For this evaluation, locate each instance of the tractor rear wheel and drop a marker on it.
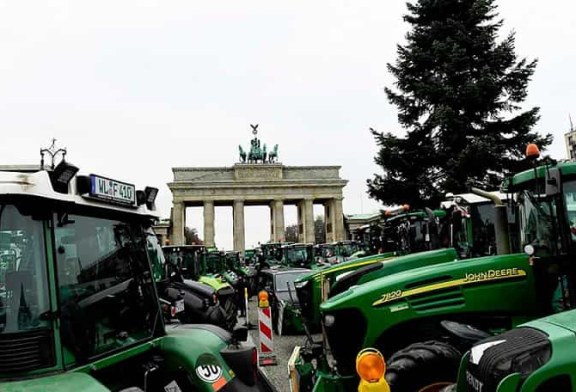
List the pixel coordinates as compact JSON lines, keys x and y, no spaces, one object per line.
{"x":424,"y":367}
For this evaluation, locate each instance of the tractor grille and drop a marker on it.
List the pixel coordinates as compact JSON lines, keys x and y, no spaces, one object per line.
{"x":438,"y":299}
{"x":346,"y":337}
{"x":23,"y":352}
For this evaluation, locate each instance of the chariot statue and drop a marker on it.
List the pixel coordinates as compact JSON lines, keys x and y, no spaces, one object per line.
{"x":257,"y":153}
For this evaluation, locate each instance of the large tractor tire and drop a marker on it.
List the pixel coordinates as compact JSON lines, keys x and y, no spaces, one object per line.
{"x":423,"y":367}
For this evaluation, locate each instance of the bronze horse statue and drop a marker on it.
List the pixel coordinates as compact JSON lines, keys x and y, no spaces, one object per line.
{"x":273,"y":155}
{"x":256,"y":153}
{"x":242,"y":154}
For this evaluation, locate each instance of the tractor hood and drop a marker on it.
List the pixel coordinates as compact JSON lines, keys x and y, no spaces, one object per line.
{"x":397,"y":287}
{"x":345,"y":266}
{"x":392,"y":266}
{"x":565,"y":320}
{"x":403,"y":301}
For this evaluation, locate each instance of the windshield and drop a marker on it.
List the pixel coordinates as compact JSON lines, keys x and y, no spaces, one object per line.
{"x":538,"y":217}
{"x":411,"y":236}
{"x":348,"y":250}
{"x":215,"y":263}
{"x":187,"y":260}
{"x":296,"y":255}
{"x":23,"y":282}
{"x":107,"y":297}
{"x":282,"y":280}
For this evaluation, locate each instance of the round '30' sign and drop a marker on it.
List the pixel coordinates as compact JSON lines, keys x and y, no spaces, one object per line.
{"x":209,"y":373}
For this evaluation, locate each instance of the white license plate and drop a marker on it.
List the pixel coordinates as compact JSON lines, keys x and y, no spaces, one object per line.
{"x":179,"y":306}
{"x":107,"y":189}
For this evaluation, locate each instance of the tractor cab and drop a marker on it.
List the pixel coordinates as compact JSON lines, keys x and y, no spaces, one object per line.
{"x":186,"y":258}
{"x":408,"y":232}
{"x":79,"y":308}
{"x":271,"y":253}
{"x":298,"y":255}
{"x":470,"y":223}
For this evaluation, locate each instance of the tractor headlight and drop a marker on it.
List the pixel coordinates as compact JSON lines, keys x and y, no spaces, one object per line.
{"x":529,"y":249}
{"x":329,"y":320}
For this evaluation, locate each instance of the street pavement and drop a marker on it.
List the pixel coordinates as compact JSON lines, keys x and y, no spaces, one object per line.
{"x":282,"y":348}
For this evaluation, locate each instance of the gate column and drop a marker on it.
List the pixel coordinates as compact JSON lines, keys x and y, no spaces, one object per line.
{"x":238,"y":226}
{"x":329,"y":220}
{"x":209,"y":222}
{"x":338,"y":219}
{"x":334,"y":220}
{"x":277,"y":221}
{"x":178,"y":222}
{"x":306,"y":221}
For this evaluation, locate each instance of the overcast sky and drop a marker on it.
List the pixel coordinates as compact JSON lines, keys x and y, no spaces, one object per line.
{"x":134,"y":88}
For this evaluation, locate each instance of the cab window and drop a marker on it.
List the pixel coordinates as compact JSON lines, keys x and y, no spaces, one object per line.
{"x":105,"y":290}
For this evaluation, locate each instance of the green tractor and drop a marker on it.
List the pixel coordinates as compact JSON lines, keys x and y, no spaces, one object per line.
{"x":250,"y":256}
{"x":338,"y":252}
{"x":313,"y":288}
{"x":79,"y":309}
{"x":453,"y":225}
{"x":414,"y":230}
{"x":271,"y":254}
{"x":369,"y":236}
{"x":198,"y":266}
{"x":537,"y":355}
{"x":235,"y":265}
{"x":423,"y":319}
{"x":298,"y":256}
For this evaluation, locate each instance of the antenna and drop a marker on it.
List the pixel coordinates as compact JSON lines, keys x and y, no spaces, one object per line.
{"x":571,"y":126}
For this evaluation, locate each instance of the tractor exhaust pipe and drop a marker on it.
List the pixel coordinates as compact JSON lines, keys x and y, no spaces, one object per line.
{"x":501,"y":221}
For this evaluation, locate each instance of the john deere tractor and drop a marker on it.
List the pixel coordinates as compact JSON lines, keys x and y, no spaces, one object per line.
{"x":78,"y":304}
{"x":423,"y":319}
{"x":537,"y":356}
{"x":404,"y":232}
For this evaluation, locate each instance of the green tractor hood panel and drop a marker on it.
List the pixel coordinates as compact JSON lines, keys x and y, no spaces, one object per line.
{"x":484,"y":287}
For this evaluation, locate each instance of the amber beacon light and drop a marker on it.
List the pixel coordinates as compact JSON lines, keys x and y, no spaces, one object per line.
{"x":370,"y":366}
{"x":532,"y":151}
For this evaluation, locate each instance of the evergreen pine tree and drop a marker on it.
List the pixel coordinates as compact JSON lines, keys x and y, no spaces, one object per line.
{"x":459,"y":90}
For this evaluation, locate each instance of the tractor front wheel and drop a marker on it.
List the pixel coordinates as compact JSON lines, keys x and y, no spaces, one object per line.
{"x":423,"y":367}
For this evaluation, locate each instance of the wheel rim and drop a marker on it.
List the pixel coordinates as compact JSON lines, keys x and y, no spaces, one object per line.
{"x":436,"y":387}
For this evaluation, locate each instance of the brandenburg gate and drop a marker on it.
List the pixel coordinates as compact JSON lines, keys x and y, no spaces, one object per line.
{"x":258,"y":179}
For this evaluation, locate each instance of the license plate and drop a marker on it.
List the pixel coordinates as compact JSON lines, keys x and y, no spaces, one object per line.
{"x":112,"y":190}
{"x":179,"y":306}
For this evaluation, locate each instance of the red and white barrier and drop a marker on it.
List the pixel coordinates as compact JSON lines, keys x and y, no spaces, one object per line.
{"x":266,"y":352}
{"x":265,"y":328}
